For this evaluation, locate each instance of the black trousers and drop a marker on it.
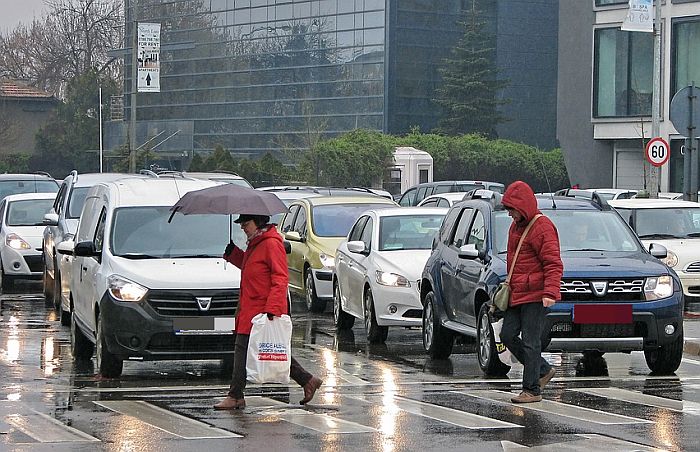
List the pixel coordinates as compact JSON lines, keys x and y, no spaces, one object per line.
{"x":526,"y":319}
{"x":240,"y":356}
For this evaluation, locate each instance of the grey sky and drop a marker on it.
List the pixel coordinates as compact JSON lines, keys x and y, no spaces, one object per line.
{"x":16,"y":11}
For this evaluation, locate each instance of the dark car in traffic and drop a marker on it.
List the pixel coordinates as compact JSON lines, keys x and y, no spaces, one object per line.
{"x":616,"y":296}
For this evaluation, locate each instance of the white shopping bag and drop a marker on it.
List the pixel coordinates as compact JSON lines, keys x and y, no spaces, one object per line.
{"x":504,"y":354}
{"x":269,"y":349}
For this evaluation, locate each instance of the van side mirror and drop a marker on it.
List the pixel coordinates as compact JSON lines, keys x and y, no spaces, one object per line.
{"x":85,"y":249}
{"x":50,"y":219}
{"x":658,"y":251}
{"x":293,"y":236}
{"x":468,"y":252}
{"x":66,"y":247}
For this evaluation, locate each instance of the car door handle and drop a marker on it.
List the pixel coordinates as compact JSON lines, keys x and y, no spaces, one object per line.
{"x":84,"y":269}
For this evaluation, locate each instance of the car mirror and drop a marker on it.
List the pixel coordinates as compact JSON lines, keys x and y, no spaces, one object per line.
{"x":468,"y":252}
{"x":287,"y":246}
{"x":357,"y":247}
{"x":85,"y":249}
{"x":66,"y":247}
{"x":51,"y":219}
{"x":658,"y":251}
{"x":293,"y":236}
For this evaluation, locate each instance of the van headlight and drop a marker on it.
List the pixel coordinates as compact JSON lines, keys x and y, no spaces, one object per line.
{"x":658,"y":287}
{"x":16,"y":242}
{"x":327,"y":261}
{"x":392,"y":279}
{"x":123,"y":289}
{"x":671,"y":259}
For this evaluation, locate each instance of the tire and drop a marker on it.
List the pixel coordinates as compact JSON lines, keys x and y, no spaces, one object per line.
{"x":48,"y":285}
{"x":56,"y":287}
{"x":108,"y":364}
{"x":80,"y":346}
{"x":486,"y":352}
{"x":375,"y":334}
{"x":666,"y":359}
{"x":343,"y":320}
{"x":65,"y":317}
{"x":437,"y":340}
{"x":313,"y":304}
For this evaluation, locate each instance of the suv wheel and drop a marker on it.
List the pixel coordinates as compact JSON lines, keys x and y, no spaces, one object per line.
{"x":108,"y":365}
{"x":437,"y":340}
{"x":665,"y":359}
{"x":65,"y":317}
{"x":313,"y":303}
{"x":486,"y":346}
{"x":80,"y":346}
{"x":375,"y":334}
{"x":48,"y":284}
{"x":56,"y":286}
{"x":343,"y":320}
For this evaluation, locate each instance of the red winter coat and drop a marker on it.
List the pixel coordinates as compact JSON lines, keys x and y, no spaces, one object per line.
{"x":264,"y":278}
{"x":539,"y":269}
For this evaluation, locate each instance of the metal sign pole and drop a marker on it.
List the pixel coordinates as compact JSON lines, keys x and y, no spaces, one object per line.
{"x":134,"y":88}
{"x":656,"y":97}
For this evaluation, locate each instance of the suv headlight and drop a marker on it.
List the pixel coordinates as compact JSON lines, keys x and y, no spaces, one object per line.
{"x":16,"y":242}
{"x":326,"y":260}
{"x":671,"y":259}
{"x":392,"y":279}
{"x":123,"y":289}
{"x":658,"y":287}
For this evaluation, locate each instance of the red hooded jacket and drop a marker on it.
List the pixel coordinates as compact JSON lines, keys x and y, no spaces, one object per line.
{"x":264,"y":278}
{"x":539,"y":268}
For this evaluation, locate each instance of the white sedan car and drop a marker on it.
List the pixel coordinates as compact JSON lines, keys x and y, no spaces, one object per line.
{"x":378,"y":266}
{"x":21,"y":232}
{"x":443,"y":199}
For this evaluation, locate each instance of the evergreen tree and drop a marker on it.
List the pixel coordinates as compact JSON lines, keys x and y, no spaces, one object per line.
{"x":470,"y":85}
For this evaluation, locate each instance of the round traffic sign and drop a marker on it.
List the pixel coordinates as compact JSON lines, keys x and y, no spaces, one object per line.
{"x":657,"y":151}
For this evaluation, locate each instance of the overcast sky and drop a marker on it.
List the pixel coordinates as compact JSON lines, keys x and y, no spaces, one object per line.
{"x":16,"y":11}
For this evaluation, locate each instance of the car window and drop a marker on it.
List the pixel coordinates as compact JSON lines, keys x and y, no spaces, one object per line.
{"x":626,"y":195}
{"x":2,"y":211}
{"x":60,"y":197}
{"x":100,"y":231}
{"x":500,"y":226}
{"x":356,"y":232}
{"x":460,"y":234}
{"x":408,"y":197}
{"x":29,"y":212}
{"x":477,"y":231}
{"x":467,"y":187}
{"x":300,"y":222}
{"x":447,"y":224}
{"x":335,"y":220}
{"x":367,"y":234}
{"x":430,"y":203}
{"x":408,"y":232}
{"x":76,"y":202}
{"x":13,"y":187}
{"x":667,"y":222}
{"x":442,"y":188}
{"x":442,"y":202}
{"x":421,"y":195}
{"x":289,"y":219}
{"x":626,"y":215}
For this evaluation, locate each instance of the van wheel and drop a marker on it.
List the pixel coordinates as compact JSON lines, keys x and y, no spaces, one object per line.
{"x":666,"y":359}
{"x":313,"y":303}
{"x":56,"y":286}
{"x":375,"y":334}
{"x":437,"y":340}
{"x":108,"y":365}
{"x":65,"y":317}
{"x":6,"y":283}
{"x":48,"y":284}
{"x":80,"y":346}
{"x":343,"y":320}
{"x":486,"y":351}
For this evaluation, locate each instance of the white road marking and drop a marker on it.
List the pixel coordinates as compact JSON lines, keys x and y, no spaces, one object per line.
{"x":165,"y":420}
{"x":587,"y":442}
{"x":324,"y":423}
{"x":557,"y":408}
{"x":682,"y":406}
{"x":46,"y":429}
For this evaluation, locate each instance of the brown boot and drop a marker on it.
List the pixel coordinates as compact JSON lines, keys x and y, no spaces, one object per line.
{"x":229,"y":403}
{"x":310,"y":389}
{"x":544,"y":379}
{"x":526,"y":397}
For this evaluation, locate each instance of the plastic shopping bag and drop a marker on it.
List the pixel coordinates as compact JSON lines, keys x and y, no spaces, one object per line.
{"x":504,"y":354}
{"x":269,"y":349}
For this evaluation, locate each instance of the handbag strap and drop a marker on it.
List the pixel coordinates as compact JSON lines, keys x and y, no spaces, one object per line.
{"x":520,"y":243}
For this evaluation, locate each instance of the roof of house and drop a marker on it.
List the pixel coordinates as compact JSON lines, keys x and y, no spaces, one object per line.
{"x":15,"y":89}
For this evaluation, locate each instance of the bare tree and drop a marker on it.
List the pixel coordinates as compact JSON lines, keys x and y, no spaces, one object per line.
{"x":72,"y":38}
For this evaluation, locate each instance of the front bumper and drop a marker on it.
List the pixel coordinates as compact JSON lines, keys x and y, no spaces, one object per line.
{"x":22,"y":263}
{"x":405,"y":301}
{"x":647,"y":330}
{"x":137,"y":331}
{"x":691,"y":285}
{"x":323,"y":281}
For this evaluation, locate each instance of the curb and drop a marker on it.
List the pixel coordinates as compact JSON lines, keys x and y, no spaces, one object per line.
{"x":691,"y":348}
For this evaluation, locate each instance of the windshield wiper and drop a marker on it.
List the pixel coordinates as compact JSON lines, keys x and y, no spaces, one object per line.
{"x":693,"y":234}
{"x":192,"y":256}
{"x":138,"y":256}
{"x":584,"y":249}
{"x":658,"y":236}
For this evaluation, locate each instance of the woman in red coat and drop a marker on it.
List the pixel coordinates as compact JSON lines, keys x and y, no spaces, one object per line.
{"x":264,"y":278}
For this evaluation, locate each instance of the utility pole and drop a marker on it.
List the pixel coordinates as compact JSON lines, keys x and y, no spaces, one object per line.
{"x":656,"y":96}
{"x":134,"y":88}
{"x":100,"y":116}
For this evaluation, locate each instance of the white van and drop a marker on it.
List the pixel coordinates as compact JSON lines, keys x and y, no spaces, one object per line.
{"x":144,"y":288}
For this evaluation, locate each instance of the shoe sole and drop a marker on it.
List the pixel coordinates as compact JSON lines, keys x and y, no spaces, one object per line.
{"x":526,"y":401}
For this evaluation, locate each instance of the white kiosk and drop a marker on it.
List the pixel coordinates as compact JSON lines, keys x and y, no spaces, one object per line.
{"x":411,"y":166}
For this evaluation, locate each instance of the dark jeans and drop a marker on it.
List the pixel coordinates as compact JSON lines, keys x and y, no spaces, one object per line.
{"x":238,"y":381}
{"x":526,"y":319}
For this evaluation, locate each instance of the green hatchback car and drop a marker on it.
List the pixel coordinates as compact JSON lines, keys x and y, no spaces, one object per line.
{"x":315,"y":227}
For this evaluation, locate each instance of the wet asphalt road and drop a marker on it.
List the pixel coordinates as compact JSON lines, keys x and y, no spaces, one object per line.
{"x":386,"y":398}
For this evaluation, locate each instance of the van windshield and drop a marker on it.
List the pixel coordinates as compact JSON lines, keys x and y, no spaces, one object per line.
{"x":145,"y":232}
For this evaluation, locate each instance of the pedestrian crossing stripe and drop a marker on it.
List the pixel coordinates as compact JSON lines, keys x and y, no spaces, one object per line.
{"x":46,"y":429}
{"x":583,"y":442}
{"x":625,"y":395}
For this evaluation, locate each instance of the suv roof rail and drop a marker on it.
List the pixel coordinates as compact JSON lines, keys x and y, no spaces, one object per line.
{"x":493,"y":197}
{"x":43,"y":173}
{"x":600,"y":202}
{"x":231,"y":173}
{"x":148,"y":172}
{"x":173,"y":173}
{"x":74,"y":175}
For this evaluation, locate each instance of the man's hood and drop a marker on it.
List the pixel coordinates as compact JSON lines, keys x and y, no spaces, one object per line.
{"x":519,"y":196}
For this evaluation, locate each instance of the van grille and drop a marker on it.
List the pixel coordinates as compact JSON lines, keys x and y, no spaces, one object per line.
{"x":174,"y":303}
{"x":693,"y":268}
{"x":602,"y":290}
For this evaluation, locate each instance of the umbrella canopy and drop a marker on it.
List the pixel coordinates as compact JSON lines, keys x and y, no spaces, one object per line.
{"x":228,"y":199}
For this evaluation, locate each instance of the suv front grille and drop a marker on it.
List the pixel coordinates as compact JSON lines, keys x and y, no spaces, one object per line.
{"x":184,"y":303}
{"x":602,"y":290}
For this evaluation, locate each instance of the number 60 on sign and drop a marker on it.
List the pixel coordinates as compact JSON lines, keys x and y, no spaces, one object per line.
{"x":657,"y":151}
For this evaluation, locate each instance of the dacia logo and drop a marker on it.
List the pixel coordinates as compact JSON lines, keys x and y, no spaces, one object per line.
{"x":204,"y":303}
{"x":600,"y":288}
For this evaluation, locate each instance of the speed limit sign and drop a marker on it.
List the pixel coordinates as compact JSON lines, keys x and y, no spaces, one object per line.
{"x":657,"y":151}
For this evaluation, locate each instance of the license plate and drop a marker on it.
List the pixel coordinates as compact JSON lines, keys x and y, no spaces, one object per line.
{"x":603,"y":313}
{"x":204,"y":325}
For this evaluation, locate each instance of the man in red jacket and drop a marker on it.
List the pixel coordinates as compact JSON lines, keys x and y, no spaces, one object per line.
{"x":534,"y":287}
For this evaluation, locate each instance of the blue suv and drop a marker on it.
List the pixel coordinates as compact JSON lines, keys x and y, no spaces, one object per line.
{"x":616,"y":295}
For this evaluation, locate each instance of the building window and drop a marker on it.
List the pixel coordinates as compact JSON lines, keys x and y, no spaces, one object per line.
{"x":622,"y":73}
{"x":686,"y":54}
{"x":610,"y":2}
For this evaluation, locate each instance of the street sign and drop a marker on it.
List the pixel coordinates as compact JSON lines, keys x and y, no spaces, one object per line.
{"x":657,"y":151}
{"x":685,"y":106}
{"x":148,"y":54}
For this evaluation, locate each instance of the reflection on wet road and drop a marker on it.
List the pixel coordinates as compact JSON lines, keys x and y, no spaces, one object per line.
{"x":387,"y":398}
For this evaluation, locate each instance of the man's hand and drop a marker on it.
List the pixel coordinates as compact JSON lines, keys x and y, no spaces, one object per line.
{"x":547,"y":302}
{"x":229,"y":248}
